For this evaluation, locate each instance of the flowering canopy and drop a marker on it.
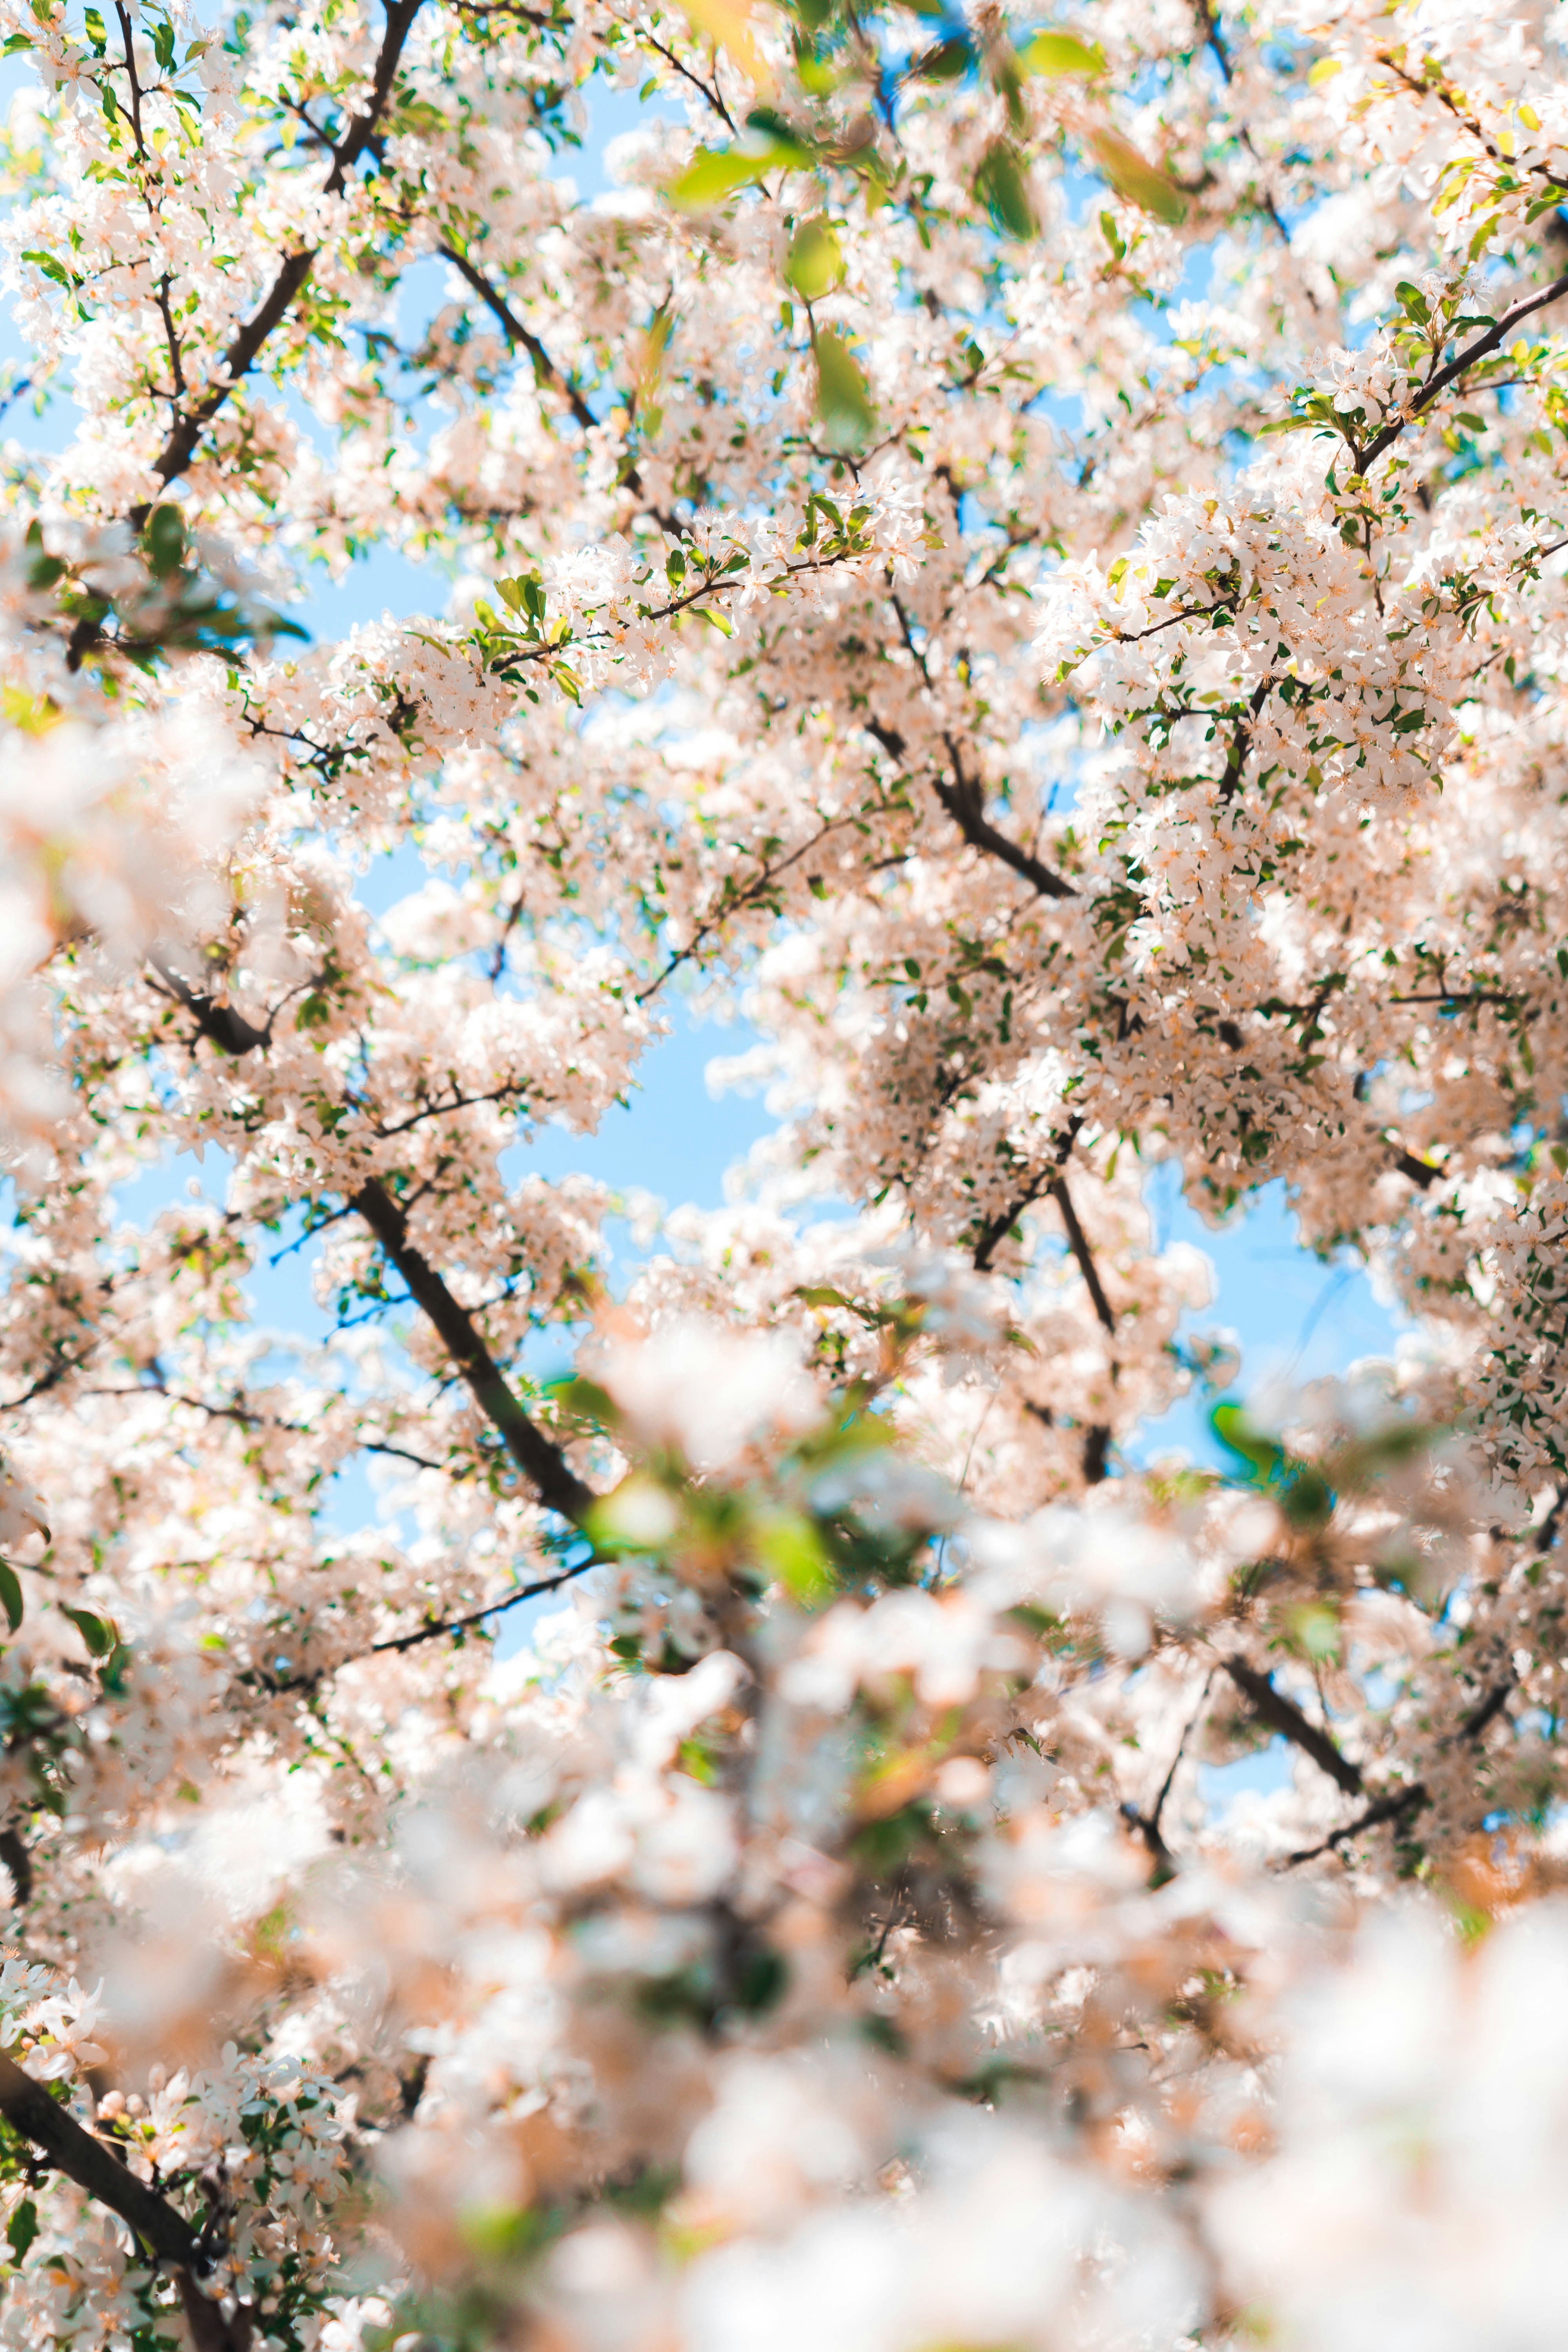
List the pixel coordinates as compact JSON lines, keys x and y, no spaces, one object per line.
{"x":1032,"y":555}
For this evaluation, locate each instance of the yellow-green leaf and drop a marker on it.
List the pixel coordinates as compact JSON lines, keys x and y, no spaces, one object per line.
{"x":1062,"y":53}
{"x":11,"y":1595}
{"x":791,"y":1548}
{"x":842,"y":400}
{"x":1324,"y":70}
{"x":714,"y":174}
{"x":816,"y":262}
{"x":1132,"y":176}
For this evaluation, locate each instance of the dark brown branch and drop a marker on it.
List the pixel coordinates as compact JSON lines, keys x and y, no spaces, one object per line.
{"x":964,"y":803}
{"x":1393,"y":1806}
{"x":220,"y":1023}
{"x":516,"y":333}
{"x":711,"y":96}
{"x":1077,"y":1241}
{"x":1487,"y":1713}
{"x":1282,"y":1715}
{"x":476,"y":1616}
{"x":1461,"y":998}
{"x":1420,"y":1171}
{"x":507,"y":8}
{"x":241,"y":356}
{"x":758,"y":887}
{"x":245,"y":1419}
{"x":160,"y":2227}
{"x":1241,"y":742}
{"x":1003,"y":1222}
{"x":28,"y":2108}
{"x":133,"y":79}
{"x":1147,"y":1824}
{"x":963,"y":799}
{"x":557,"y":1485}
{"x":1386,"y":1809}
{"x":18,"y":1861}
{"x":1436,"y":385}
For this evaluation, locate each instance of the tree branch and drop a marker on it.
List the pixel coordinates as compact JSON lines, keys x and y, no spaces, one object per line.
{"x":1386,"y":1809}
{"x":514,"y":330}
{"x":220,"y":1023}
{"x":1436,"y":385}
{"x":1003,"y":1222}
{"x":557,"y":1485}
{"x":1282,"y":1715}
{"x":160,"y":2226}
{"x":185,"y":434}
{"x":1147,"y":1824}
{"x":1488,"y":1711}
{"x":476,"y":1616}
{"x":1420,"y":1171}
{"x":963,"y":802}
{"x":1077,"y":1241}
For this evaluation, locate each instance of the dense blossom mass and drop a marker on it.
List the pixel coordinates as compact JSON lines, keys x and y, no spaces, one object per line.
{"x":1031,"y":558}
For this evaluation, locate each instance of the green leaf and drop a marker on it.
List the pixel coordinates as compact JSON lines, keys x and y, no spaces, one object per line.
{"x":715,"y":173}
{"x":791,"y":1548}
{"x":1235,"y":1434}
{"x":164,"y":45}
{"x":94,"y":32}
{"x":1290,"y":425}
{"x":1062,"y":53}
{"x":11,"y":1595}
{"x":99,"y":1632}
{"x":1002,"y":187}
{"x":584,"y":1400}
{"x":947,"y":62}
{"x":22,"y":2228}
{"x":164,"y":537}
{"x":1474,"y":424}
{"x":1132,"y":176}
{"x":842,"y":400}
{"x":815,"y":261}
{"x":49,"y":266}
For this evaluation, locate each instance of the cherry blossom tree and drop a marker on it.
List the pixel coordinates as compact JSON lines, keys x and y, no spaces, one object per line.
{"x":1029,"y":557}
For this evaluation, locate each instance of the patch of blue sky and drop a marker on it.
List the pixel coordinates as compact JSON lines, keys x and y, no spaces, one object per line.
{"x":612,"y":112}
{"x":287,"y":1318}
{"x":1295,"y":1317}
{"x":1262,"y":1773}
{"x":1052,"y":755}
